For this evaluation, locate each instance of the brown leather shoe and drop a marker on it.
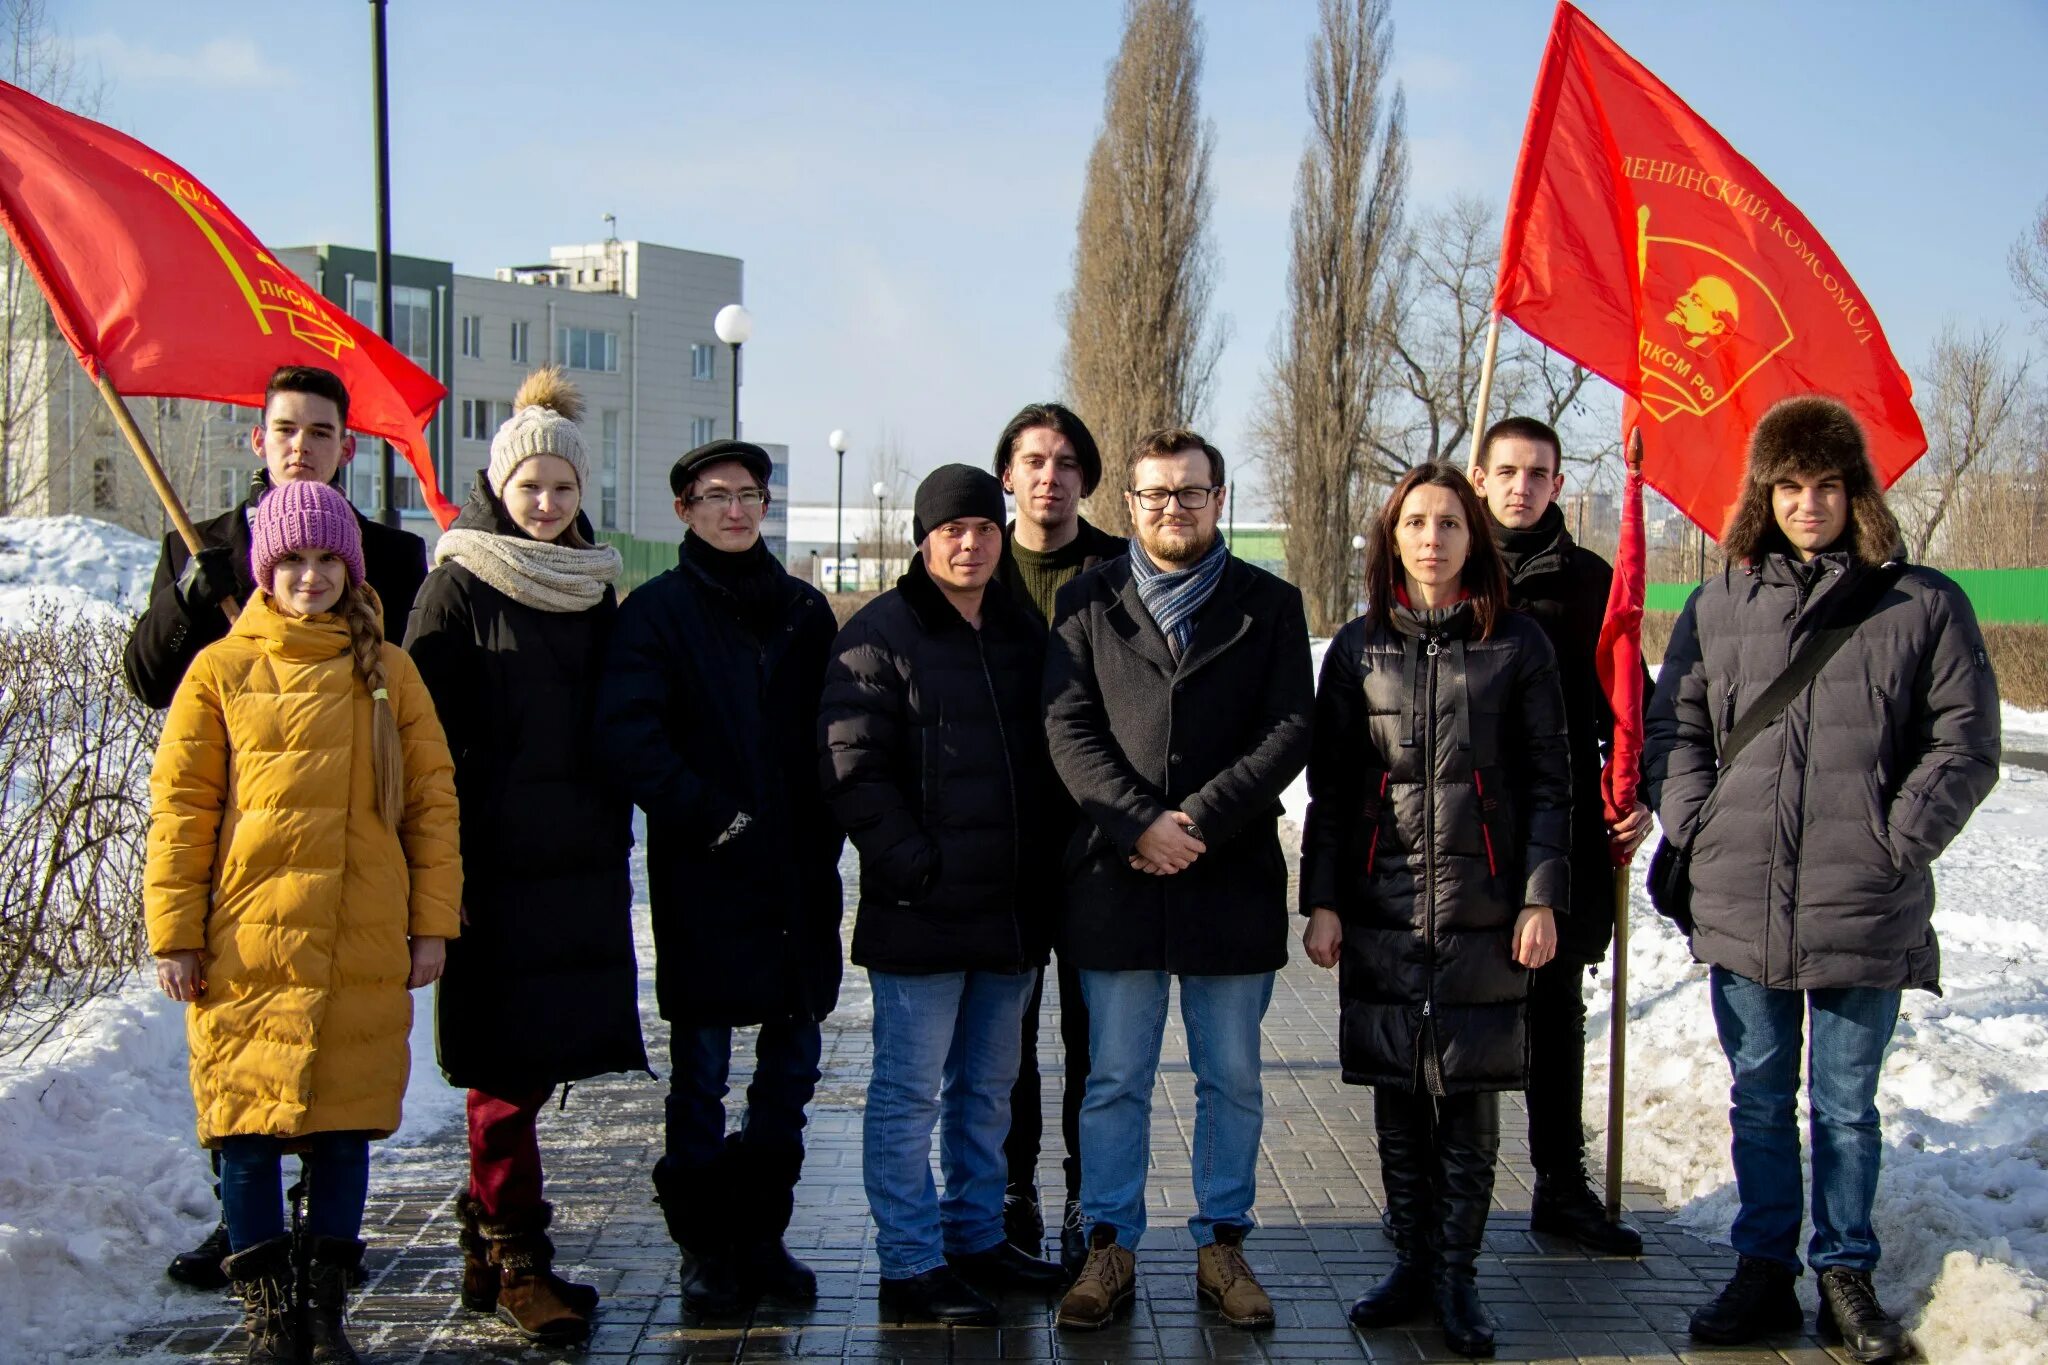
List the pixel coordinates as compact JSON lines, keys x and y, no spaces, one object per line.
{"x":527,"y":1295}
{"x":1225,"y":1282}
{"x":1108,"y":1279}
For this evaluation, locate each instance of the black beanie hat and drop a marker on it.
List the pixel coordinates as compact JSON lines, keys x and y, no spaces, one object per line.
{"x":954,"y":491}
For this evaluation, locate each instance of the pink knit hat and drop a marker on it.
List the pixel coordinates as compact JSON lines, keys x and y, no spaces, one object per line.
{"x":303,"y":515}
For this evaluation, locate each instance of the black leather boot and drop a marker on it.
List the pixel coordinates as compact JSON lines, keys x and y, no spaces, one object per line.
{"x":1850,"y":1314}
{"x":1073,"y":1239}
{"x":1468,"y":1141}
{"x":697,"y":1205}
{"x":1401,"y":1129}
{"x":262,"y":1277}
{"x":1023,"y":1220}
{"x":764,"y":1200}
{"x":200,"y":1267}
{"x":334,"y":1263}
{"x":1757,"y":1302}
{"x":1564,"y":1205}
{"x":1005,"y":1267}
{"x":936,"y":1296}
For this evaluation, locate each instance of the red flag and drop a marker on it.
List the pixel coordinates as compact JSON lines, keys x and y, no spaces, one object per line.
{"x":160,"y":288}
{"x":1642,"y":245}
{"x":1619,"y":657}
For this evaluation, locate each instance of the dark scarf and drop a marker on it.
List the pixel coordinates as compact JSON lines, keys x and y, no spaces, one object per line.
{"x":1175,"y":596}
{"x":1519,"y":547}
{"x":751,"y":576}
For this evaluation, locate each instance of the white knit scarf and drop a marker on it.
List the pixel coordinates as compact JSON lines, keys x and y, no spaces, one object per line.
{"x":542,"y":575}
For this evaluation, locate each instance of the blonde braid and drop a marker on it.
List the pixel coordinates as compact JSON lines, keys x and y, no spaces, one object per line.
{"x":387,"y":761}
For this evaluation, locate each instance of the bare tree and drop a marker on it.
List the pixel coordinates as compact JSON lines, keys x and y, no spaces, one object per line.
{"x":1141,"y":348}
{"x":887,"y":542}
{"x":1973,"y":401}
{"x":2029,"y":264}
{"x":31,"y":358}
{"x":1315,"y":426}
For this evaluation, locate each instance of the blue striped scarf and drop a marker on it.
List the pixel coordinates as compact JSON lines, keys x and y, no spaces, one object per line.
{"x":1174,"y":597}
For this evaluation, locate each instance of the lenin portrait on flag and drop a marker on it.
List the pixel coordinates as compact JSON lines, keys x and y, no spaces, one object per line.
{"x":1719,"y":325}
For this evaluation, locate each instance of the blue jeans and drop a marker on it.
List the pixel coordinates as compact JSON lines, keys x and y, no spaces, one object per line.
{"x":337,"y":1169}
{"x":1760,"y":1032}
{"x":946,"y":1049}
{"x":785,"y":1074}
{"x":1126,"y":1021}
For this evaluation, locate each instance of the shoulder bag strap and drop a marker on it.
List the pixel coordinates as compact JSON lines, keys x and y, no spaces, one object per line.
{"x":1854,"y":610}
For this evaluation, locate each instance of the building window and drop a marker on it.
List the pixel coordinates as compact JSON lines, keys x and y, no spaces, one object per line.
{"x":481,"y":418}
{"x":522,"y":343}
{"x":702,"y":431}
{"x":608,"y":473}
{"x":701,"y":354}
{"x":103,"y":484}
{"x":166,"y":409}
{"x":229,"y":486}
{"x":472,"y":336}
{"x":585,"y":348}
{"x":225,"y":412}
{"x":412,"y":317}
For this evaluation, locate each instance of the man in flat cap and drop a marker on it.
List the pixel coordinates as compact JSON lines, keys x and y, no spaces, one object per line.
{"x":707,"y":716}
{"x":934,"y":761}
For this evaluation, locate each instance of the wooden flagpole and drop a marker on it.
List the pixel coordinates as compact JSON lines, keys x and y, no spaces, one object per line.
{"x":1485,"y":387}
{"x":1617,"y":1005}
{"x":158,"y":480}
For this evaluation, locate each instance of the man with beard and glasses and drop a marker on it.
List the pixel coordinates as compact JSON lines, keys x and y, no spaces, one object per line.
{"x":1178,"y":699}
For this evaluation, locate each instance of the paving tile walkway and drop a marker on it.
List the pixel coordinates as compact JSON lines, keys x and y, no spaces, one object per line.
{"x":1318,"y":1245}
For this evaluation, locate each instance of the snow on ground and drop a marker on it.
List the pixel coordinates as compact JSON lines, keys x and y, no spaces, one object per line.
{"x":71,"y":563}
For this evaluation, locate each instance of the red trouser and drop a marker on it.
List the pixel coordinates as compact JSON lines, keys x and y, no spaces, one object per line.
{"x":504,"y":1150}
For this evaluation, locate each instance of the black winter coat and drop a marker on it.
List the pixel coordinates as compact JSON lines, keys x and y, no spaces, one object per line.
{"x":541,"y":987}
{"x":1218,"y":735}
{"x":700,"y":720}
{"x":1812,"y":856}
{"x":933,"y":757}
{"x":167,"y":638}
{"x":1564,"y":589}
{"x":1439,"y":806}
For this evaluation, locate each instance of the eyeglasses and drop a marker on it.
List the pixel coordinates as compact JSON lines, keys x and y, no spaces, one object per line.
{"x":751,"y":499}
{"x":1155,"y":499}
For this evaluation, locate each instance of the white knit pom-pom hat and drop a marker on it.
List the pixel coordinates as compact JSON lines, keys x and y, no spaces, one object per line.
{"x":543,"y":422}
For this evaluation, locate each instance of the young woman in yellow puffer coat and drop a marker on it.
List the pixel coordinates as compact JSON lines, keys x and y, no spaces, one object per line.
{"x":303,"y":875}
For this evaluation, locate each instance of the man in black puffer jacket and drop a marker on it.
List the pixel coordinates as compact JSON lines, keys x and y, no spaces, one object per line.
{"x":1563,"y":587}
{"x":1812,"y":853}
{"x":934,"y":760}
{"x":704,"y":717}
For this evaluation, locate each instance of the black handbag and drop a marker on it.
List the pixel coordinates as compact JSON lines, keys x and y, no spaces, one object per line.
{"x":1670,"y":877}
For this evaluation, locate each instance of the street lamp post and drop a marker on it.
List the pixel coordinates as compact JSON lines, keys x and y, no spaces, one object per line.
{"x":837,"y":440}
{"x":881,"y":491}
{"x":734,"y":325}
{"x":381,"y":131}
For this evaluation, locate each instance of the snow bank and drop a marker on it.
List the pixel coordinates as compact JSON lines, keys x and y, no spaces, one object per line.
{"x":71,"y":564}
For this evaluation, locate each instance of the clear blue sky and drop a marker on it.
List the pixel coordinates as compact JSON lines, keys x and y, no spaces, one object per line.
{"x":902,"y":178}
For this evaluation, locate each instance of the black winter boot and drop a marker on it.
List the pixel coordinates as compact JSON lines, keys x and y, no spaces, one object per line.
{"x":1468,"y":1141}
{"x":1401,"y":1129}
{"x":1757,"y":1302}
{"x":1850,"y":1314}
{"x":1073,"y":1239}
{"x":1565,"y":1206}
{"x":698,"y":1206}
{"x":1023,"y":1220}
{"x":262,"y":1277}
{"x":764,"y":1201}
{"x":200,"y":1267}
{"x":334,"y":1263}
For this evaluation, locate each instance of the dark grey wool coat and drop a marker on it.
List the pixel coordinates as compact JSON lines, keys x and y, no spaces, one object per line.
{"x":1219,"y":735}
{"x":1811,"y":855}
{"x":1440,"y":792}
{"x":541,"y":986}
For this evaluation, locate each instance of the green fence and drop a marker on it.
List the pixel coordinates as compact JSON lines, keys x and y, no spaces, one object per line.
{"x":2003,"y":596}
{"x":644,"y":558}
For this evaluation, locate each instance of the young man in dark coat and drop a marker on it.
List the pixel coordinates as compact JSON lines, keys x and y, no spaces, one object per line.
{"x":933,"y":756}
{"x":1812,"y":852}
{"x":303,"y":434}
{"x":1178,"y":698}
{"x":1563,"y":586}
{"x":705,"y":718}
{"x":1048,"y":461}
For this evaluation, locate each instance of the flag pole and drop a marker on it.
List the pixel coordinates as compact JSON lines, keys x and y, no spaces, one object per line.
{"x":1617,"y":1008}
{"x":158,"y":480}
{"x":1485,"y":386}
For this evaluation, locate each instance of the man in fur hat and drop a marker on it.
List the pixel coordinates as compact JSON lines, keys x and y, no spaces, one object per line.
{"x":1811,"y":852}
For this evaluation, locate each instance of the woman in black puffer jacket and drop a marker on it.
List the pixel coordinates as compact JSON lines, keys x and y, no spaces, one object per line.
{"x":1434,"y":863}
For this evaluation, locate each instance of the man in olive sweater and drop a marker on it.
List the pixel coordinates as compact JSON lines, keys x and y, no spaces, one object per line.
{"x":1048,"y":462}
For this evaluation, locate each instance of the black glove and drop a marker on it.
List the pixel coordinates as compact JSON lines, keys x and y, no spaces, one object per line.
{"x":208,"y":580}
